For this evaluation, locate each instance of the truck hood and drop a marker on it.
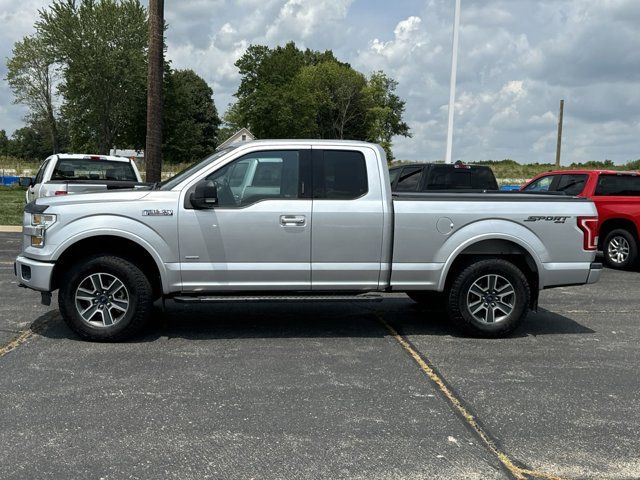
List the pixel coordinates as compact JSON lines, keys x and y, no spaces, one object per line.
{"x":109,"y":196}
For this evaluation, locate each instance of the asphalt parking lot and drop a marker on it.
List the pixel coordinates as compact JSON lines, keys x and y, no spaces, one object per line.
{"x":324,"y":391}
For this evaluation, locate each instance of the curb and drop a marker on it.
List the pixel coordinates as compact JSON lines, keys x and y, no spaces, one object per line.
{"x":10,"y":228}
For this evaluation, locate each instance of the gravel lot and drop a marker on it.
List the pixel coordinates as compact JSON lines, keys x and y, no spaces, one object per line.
{"x":324,"y":391}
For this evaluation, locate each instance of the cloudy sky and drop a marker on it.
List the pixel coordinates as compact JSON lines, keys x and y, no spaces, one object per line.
{"x":518,"y":58}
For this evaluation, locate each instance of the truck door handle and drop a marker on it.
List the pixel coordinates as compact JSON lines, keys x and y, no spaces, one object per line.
{"x":293,"y":220}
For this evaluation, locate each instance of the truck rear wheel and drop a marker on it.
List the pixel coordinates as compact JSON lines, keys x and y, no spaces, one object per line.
{"x":105,"y":298}
{"x":620,"y":249}
{"x":489,"y":298}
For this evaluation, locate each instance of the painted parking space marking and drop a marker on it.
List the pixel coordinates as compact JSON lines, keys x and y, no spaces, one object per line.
{"x":24,"y":335}
{"x":514,"y":468}
{"x":15,"y":342}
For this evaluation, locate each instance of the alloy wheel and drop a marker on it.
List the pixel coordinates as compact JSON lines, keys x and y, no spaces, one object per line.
{"x":101,"y":299}
{"x":491,"y":299}
{"x":618,"y":250}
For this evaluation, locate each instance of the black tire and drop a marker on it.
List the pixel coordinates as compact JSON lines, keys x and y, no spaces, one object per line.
{"x":428,"y":298}
{"x":138,"y":290}
{"x":620,"y":249}
{"x":460,"y":299}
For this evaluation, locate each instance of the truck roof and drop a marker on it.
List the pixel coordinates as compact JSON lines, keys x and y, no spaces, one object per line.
{"x":587,"y":172}
{"x":81,"y":156}
{"x":312,"y":141}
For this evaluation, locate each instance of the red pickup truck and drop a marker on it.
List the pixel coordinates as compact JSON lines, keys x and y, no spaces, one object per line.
{"x":617,"y":198}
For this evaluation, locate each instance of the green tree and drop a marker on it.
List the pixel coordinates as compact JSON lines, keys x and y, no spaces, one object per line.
{"x":285,"y":92}
{"x":231,"y":123}
{"x":4,"y":143}
{"x":384,"y":112}
{"x":269,"y":103}
{"x":332,"y":94}
{"x":29,"y":143}
{"x":191,"y":119}
{"x":32,"y":74}
{"x":102,"y":47}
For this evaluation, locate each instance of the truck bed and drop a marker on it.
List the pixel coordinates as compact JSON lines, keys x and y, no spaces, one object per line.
{"x":432,"y":228}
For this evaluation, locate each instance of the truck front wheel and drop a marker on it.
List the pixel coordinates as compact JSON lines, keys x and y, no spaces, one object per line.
{"x":105,"y":298}
{"x":489,"y":298}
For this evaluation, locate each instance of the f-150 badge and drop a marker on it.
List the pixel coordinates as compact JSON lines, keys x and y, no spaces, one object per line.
{"x":538,"y":218}
{"x":157,"y":213}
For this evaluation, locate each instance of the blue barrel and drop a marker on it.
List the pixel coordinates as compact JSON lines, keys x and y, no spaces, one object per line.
{"x":7,"y":181}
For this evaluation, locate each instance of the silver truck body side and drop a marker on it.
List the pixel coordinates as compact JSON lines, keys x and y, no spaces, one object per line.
{"x":366,"y":244}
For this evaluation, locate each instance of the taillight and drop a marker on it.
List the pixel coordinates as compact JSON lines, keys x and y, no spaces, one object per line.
{"x":60,"y":192}
{"x":589,"y":227}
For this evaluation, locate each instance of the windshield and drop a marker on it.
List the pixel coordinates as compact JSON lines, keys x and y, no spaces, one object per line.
{"x":187,"y":172}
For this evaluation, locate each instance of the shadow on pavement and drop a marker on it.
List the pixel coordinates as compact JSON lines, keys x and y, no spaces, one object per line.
{"x":304,"y":320}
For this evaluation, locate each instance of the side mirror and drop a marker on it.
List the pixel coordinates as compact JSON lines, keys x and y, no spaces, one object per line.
{"x":25,"y":181}
{"x":205,"y":195}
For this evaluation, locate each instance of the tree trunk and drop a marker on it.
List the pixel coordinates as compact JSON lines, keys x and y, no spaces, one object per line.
{"x":53,"y":129}
{"x":153,"y":148}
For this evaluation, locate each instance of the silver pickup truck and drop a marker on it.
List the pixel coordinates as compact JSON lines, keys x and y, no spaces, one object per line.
{"x":305,"y":220}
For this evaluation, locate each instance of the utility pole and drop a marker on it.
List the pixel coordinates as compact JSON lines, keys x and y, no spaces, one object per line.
{"x":153,"y":148}
{"x":559,"y":144}
{"x":452,"y":87}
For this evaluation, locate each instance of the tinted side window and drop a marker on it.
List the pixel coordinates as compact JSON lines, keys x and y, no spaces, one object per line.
{"x":482,"y":178}
{"x":618,"y":185}
{"x":541,"y":185}
{"x":339,"y":174}
{"x":409,"y":179}
{"x":40,"y":173}
{"x":443,"y":177}
{"x":258,"y":176}
{"x":571,"y":184}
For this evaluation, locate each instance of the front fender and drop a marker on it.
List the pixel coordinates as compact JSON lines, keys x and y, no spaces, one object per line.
{"x":160,"y":242}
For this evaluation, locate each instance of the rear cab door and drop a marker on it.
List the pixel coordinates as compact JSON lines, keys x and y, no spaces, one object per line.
{"x":348,"y":218}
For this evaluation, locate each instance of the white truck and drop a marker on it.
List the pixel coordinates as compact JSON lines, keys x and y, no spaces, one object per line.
{"x":301,"y":220}
{"x":71,"y":173}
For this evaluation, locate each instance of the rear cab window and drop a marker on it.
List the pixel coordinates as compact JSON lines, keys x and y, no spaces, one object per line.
{"x":451,"y":177}
{"x":339,"y":175}
{"x":409,"y":179}
{"x":88,"y":169}
{"x":610,"y":185}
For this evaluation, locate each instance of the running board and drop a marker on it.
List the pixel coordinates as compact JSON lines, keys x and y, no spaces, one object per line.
{"x":366,"y":297}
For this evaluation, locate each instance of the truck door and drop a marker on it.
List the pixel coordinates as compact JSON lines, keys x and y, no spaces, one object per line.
{"x":258,"y":236}
{"x":347,"y":228}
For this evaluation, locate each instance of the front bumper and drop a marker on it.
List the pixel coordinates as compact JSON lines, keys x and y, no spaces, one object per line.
{"x":33,"y":274}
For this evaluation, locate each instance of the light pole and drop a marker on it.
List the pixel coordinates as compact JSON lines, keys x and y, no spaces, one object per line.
{"x":452,"y":87}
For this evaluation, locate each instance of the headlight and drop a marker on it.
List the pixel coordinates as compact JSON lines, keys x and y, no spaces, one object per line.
{"x":42,"y":219}
{"x":40,"y":222}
